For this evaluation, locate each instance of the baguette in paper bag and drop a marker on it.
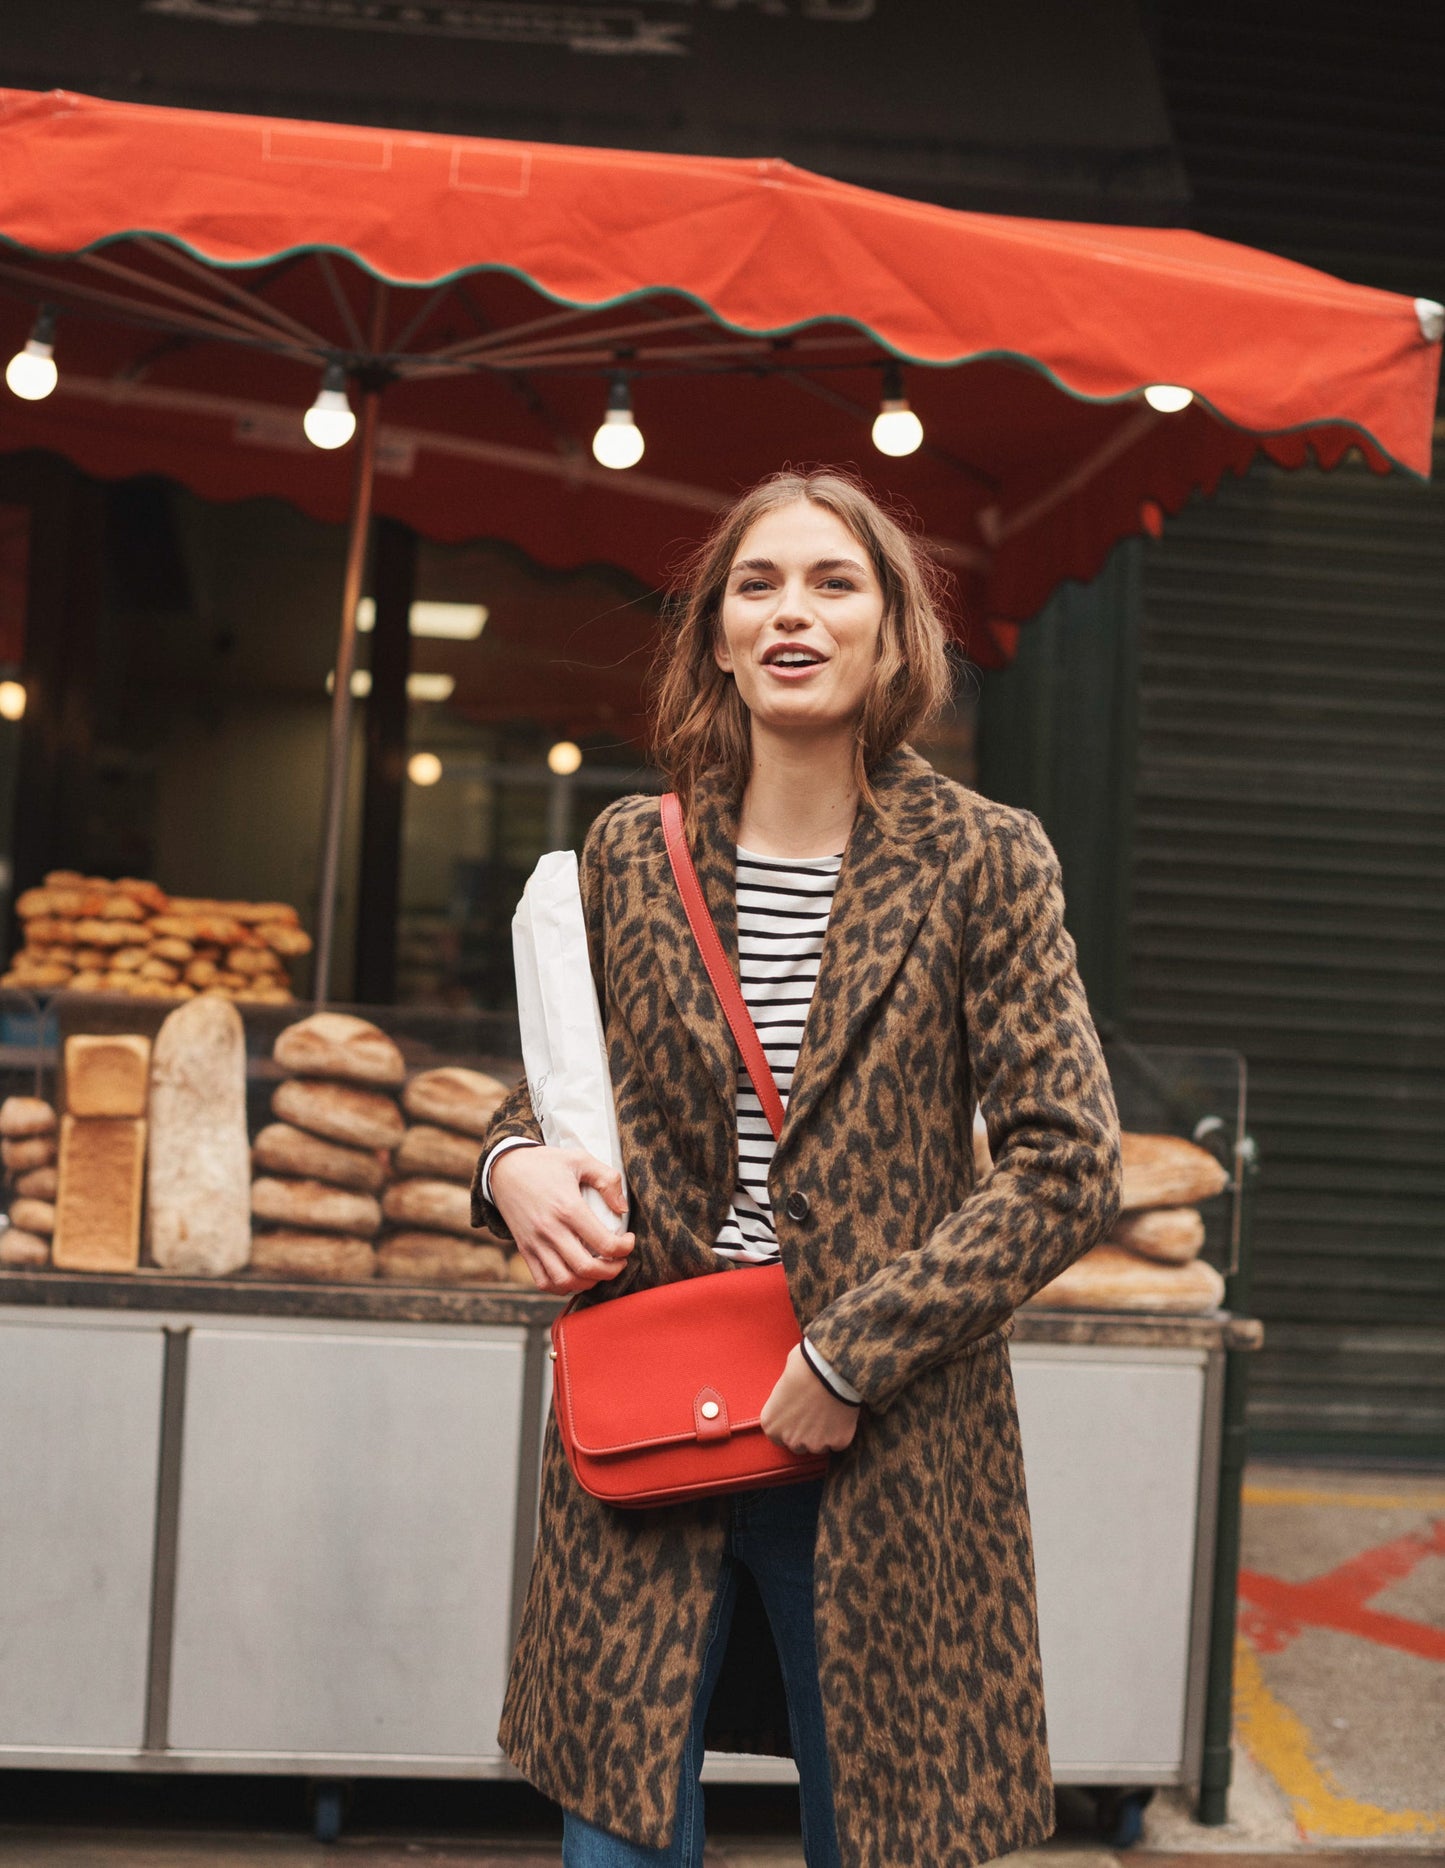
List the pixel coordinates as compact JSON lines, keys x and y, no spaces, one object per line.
{"x":563,"y":1046}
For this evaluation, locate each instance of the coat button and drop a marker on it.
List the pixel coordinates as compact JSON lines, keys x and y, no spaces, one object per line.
{"x":797,"y":1206}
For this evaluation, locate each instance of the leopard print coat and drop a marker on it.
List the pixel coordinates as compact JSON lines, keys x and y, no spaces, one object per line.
{"x":947,"y":978}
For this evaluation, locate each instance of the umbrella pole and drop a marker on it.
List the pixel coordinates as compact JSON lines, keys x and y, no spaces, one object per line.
{"x":338,"y":753}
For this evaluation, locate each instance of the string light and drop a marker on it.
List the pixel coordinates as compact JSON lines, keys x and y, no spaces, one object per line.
{"x":12,"y":700}
{"x":423,"y":768}
{"x":896,"y":429}
{"x":618,"y":442}
{"x":329,"y":422}
{"x":1168,"y":398}
{"x":564,"y":758}
{"x":31,"y":373}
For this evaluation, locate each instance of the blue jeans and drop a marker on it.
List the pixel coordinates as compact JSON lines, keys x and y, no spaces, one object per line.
{"x":771,"y":1532}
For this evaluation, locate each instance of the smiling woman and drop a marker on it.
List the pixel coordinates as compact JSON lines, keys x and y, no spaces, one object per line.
{"x":900,"y":946}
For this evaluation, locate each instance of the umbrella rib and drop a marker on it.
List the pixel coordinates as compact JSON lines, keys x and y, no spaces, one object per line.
{"x":481,"y":348}
{"x":1088,"y":469}
{"x":348,"y":316}
{"x":253,"y":327}
{"x":61,"y":292}
{"x":218,"y":282}
{"x":570,"y":316}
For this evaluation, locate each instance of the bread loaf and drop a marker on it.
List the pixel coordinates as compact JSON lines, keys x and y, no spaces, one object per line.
{"x":1171,"y":1234}
{"x":107,"y":1076}
{"x":333,"y":1044}
{"x":434,"y":1258}
{"x":340,"y":1113}
{"x":281,"y":1149}
{"x":1166,"y":1170}
{"x":437,"y":1153}
{"x":316,"y":1257}
{"x":98,"y":1205}
{"x":38,"y":1184}
{"x":33,"y":1216}
{"x":200,"y":1165}
{"x":20,"y":1153}
{"x":1109,"y":1278}
{"x":312,"y":1206}
{"x":454,"y":1097}
{"x":26,"y":1115}
{"x":437,"y":1205}
{"x":23,"y":1249}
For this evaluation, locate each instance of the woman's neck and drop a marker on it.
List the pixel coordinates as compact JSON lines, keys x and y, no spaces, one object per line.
{"x":800,"y":798}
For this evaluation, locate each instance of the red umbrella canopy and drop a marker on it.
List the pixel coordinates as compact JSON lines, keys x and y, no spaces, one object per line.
{"x":206,"y":268}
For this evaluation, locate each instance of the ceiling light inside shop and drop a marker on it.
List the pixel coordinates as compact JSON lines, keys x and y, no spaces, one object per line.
{"x":31,"y":373}
{"x":564,"y":758}
{"x":421,"y":687}
{"x":423,"y":768}
{"x":1168,"y":398}
{"x":12,"y":700}
{"x":440,"y":622}
{"x":360,"y":682}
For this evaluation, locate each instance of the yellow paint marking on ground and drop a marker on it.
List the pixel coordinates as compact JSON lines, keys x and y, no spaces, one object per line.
{"x":1361,"y":1501}
{"x":1279,"y":1740}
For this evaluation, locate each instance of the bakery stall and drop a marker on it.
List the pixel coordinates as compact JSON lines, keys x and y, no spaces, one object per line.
{"x":274,"y":1410}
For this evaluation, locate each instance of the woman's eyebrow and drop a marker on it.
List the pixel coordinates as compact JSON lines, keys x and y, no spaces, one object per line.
{"x":821,"y":564}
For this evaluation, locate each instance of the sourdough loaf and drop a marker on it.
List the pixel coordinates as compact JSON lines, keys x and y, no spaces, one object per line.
{"x":334,"y":1044}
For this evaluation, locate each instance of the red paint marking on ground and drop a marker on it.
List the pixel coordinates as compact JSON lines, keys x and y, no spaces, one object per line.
{"x":1273,"y":1612}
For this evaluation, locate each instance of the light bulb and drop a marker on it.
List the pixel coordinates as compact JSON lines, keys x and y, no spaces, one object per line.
{"x":360,"y":682}
{"x":329,"y":422}
{"x":12,"y":700}
{"x":618,"y":442}
{"x":31,"y":373}
{"x":423,"y":768}
{"x":1168,"y":398}
{"x":564,"y":758}
{"x":896,"y":429}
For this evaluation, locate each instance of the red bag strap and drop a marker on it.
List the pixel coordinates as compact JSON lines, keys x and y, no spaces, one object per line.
{"x":705,"y":933}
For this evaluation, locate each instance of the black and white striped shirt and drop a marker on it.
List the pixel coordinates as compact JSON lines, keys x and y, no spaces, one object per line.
{"x":782,"y":911}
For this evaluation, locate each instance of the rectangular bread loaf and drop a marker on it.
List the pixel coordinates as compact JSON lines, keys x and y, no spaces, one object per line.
{"x":107,"y":1076}
{"x":98,"y":1207}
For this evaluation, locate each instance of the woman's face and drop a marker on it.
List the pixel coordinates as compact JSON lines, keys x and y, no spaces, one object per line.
{"x":800,"y":622}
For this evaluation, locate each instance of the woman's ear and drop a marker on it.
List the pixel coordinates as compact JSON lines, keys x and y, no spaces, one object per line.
{"x":721,"y":653}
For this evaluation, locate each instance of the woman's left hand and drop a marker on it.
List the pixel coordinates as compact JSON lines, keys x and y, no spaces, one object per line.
{"x":801,"y":1415}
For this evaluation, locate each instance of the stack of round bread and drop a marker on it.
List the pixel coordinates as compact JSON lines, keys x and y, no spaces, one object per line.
{"x":322,"y":1165}
{"x":428,"y":1207}
{"x":1150,"y":1261}
{"x":28,"y":1147}
{"x":91,"y":935}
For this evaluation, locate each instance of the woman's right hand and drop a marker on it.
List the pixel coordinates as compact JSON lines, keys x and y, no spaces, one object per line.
{"x":538,"y":1191}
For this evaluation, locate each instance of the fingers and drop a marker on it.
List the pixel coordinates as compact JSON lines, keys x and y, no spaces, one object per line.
{"x":607,"y":1180}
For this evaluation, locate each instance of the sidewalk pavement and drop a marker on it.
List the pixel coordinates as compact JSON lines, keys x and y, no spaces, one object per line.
{"x":1339,"y":1718}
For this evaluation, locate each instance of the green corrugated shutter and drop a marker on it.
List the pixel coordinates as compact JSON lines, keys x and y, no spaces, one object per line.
{"x":1288,"y":900}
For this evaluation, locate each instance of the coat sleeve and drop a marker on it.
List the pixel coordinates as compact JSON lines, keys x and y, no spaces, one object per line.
{"x":515,"y":1115}
{"x":1053,"y":1130}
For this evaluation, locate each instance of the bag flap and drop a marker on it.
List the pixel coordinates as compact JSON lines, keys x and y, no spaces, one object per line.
{"x":629,"y":1370}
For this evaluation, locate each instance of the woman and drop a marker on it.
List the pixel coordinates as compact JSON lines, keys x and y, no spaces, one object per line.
{"x":923,"y":967}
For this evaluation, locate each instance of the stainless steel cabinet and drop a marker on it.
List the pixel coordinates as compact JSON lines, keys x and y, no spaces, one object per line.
{"x":80,"y":1428}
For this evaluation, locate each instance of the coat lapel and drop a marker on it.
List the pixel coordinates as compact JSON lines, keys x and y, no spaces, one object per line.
{"x":889,"y":879}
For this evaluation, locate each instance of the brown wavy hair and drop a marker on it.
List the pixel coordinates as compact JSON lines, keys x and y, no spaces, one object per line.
{"x":699,"y":722}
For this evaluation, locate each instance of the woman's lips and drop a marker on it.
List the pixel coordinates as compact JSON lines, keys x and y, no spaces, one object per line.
{"x":797,"y":672}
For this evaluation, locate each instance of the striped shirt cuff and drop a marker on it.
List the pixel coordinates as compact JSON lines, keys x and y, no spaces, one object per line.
{"x":839,"y":1389}
{"x":510,"y":1141}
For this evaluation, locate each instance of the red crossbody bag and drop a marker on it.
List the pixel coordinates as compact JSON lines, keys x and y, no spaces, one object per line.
{"x":658,"y":1395}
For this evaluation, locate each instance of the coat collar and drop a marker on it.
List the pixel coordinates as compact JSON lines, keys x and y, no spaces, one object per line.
{"x":888,"y":880}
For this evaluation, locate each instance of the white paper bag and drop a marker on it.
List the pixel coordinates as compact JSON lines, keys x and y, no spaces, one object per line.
{"x":563,"y":1047}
